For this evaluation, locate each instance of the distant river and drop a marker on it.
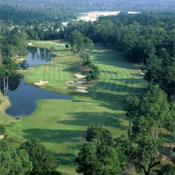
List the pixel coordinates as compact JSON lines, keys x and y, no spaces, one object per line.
{"x":23,"y":96}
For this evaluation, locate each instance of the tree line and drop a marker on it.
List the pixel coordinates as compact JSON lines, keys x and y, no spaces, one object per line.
{"x":145,"y":39}
{"x":60,"y":10}
{"x":82,"y":45}
{"x":12,"y":44}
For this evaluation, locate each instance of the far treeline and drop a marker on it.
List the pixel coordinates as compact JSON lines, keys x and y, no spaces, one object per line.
{"x":61,"y":10}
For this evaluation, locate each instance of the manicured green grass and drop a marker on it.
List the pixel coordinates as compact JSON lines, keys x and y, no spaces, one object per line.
{"x":61,"y":124}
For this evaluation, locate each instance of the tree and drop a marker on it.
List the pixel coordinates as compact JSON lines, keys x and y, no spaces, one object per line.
{"x":145,"y":155}
{"x":131,"y":105}
{"x":149,"y":113}
{"x":99,"y":132}
{"x":154,"y":69}
{"x":167,"y":170}
{"x":14,"y":161}
{"x":43,"y":163}
{"x":77,"y":41}
{"x":98,"y":156}
{"x":154,"y":107}
{"x":89,"y":45}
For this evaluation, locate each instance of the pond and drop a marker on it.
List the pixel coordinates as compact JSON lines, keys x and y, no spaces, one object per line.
{"x":23,"y":96}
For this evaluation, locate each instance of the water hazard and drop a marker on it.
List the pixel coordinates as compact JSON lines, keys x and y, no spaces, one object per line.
{"x":23,"y":96}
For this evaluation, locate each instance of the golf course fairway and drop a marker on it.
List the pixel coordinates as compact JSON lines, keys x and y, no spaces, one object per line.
{"x":61,"y":124}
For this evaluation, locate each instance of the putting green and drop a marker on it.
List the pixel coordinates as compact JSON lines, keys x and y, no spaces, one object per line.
{"x":61,"y":124}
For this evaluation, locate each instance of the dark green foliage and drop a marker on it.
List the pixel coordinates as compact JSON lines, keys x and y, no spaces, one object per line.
{"x":99,"y":132}
{"x":77,"y":41}
{"x":167,"y":170}
{"x":149,"y":114}
{"x":161,"y":71}
{"x":43,"y":163}
{"x":170,"y":118}
{"x":14,"y":161}
{"x":98,"y":156}
{"x":2,"y":130}
{"x":145,"y":155}
{"x":131,"y":106}
{"x":94,"y":74}
{"x":125,"y":150}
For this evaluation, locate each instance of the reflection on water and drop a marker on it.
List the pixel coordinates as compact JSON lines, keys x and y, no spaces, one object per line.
{"x":38,"y":56}
{"x":23,"y":97}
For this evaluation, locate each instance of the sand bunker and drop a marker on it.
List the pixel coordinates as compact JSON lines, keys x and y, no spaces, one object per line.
{"x":82,"y":89}
{"x":52,"y":42}
{"x":1,"y":137}
{"x":79,"y":76}
{"x":75,"y":82}
{"x":40,"y":83}
{"x":30,"y":44}
{"x":81,"y":82}
{"x":141,"y":72}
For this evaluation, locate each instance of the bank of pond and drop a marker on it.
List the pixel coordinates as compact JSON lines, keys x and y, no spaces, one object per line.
{"x":23,"y":96}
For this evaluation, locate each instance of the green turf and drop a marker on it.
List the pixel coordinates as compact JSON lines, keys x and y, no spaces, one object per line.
{"x":61,"y":124}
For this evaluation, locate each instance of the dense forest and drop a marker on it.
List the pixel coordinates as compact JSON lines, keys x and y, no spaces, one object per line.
{"x":60,"y":10}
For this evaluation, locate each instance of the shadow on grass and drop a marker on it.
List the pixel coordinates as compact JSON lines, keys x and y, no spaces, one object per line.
{"x":118,"y":87}
{"x":113,"y":59}
{"x":105,"y":99}
{"x":65,"y":159}
{"x":55,"y":135}
{"x":89,"y":118}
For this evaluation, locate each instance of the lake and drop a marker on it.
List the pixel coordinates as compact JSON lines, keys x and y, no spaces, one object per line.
{"x":23,"y":96}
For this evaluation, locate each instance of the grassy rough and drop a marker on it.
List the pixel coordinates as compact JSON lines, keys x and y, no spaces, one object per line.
{"x":61,"y":124}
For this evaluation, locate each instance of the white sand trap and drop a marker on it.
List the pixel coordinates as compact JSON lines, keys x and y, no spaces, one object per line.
{"x":40,"y":83}
{"x":52,"y":42}
{"x":82,"y":89}
{"x":79,"y":76}
{"x":30,"y":44}
{"x":1,"y":137}
{"x":142,"y":73}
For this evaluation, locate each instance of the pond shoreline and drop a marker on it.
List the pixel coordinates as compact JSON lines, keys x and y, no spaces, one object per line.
{"x":20,"y":94}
